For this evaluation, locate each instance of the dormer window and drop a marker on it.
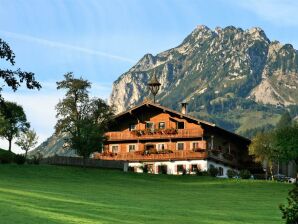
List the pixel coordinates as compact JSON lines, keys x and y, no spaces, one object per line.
{"x":132,"y":127}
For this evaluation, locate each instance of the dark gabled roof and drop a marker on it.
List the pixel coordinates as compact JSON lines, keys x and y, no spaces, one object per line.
{"x":202,"y":122}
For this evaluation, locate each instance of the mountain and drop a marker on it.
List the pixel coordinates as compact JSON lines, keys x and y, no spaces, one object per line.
{"x":51,"y":147}
{"x":236,"y":78}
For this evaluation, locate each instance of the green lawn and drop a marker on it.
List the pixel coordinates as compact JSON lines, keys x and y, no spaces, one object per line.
{"x":50,"y":194}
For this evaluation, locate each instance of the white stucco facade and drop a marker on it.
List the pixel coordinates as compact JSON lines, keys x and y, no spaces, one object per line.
{"x":172,"y":167}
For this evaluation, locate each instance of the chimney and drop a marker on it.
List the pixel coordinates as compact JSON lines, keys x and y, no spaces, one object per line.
{"x":184,"y":108}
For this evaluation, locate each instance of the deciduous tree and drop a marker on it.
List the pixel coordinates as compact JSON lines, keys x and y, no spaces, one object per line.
{"x":285,"y":141}
{"x":27,"y":140}
{"x":13,"y":121}
{"x":14,"y":78}
{"x":284,"y":121}
{"x":262,"y":149}
{"x":84,"y":120}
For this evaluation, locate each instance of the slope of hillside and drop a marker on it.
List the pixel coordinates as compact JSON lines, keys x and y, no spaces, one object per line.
{"x":51,"y":147}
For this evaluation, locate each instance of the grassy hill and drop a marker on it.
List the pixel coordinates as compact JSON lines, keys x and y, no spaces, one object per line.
{"x":50,"y":194}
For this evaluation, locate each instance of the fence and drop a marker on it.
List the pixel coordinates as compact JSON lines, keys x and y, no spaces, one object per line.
{"x":77,"y":161}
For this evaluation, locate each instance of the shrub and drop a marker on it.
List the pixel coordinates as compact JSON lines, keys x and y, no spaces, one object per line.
{"x":19,"y":159}
{"x":213,"y":171}
{"x":290,"y":212}
{"x":35,"y":159}
{"x":198,"y":171}
{"x":245,"y":174}
{"x":144,"y":168}
{"x":232,"y":173}
{"x":6,"y":156}
{"x":131,"y":169}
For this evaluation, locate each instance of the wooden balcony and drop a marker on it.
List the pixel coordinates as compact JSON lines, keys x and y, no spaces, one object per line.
{"x":133,"y":156}
{"x":142,"y":135}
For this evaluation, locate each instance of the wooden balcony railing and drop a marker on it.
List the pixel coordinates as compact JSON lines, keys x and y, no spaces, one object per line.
{"x":180,"y":133}
{"x":133,"y":156}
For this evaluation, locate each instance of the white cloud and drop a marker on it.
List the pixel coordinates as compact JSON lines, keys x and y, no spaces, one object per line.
{"x":64,"y":46}
{"x":275,"y":11}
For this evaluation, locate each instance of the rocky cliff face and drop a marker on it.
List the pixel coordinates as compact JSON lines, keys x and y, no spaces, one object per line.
{"x":235,"y":78}
{"x":217,"y":72}
{"x":51,"y":147}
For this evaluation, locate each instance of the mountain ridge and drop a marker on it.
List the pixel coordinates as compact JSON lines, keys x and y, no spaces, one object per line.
{"x":235,"y":78}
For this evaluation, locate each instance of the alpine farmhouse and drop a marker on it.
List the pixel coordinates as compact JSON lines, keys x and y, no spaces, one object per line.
{"x":156,"y":139}
{"x":161,"y":140}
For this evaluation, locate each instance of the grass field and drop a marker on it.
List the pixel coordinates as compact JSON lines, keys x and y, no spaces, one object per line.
{"x":49,"y":194}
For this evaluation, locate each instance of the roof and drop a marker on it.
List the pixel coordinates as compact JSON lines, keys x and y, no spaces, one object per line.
{"x":202,"y":122}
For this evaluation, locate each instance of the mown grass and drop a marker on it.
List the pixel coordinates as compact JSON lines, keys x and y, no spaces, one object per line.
{"x":51,"y":194}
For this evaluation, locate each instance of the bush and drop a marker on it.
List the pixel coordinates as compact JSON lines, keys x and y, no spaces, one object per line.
{"x":35,"y":159}
{"x":245,"y":174}
{"x":6,"y":156}
{"x":198,"y":172}
{"x":232,"y":173}
{"x":290,"y":212}
{"x":205,"y":173}
{"x":144,"y":168}
{"x":213,"y":171}
{"x":19,"y":159}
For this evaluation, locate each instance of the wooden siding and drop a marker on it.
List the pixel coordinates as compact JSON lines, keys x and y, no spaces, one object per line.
{"x":177,"y":155}
{"x":128,"y":135}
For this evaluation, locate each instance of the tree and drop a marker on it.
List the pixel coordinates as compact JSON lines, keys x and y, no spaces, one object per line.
{"x":285,"y":141}
{"x":262,"y":149}
{"x":14,"y":79}
{"x":290,"y":212}
{"x":13,"y":121}
{"x":27,"y":140}
{"x":84,"y":120}
{"x":284,"y":121}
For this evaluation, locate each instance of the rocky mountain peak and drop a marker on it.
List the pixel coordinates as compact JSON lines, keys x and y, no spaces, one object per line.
{"x":258,"y":33}
{"x":235,"y":78}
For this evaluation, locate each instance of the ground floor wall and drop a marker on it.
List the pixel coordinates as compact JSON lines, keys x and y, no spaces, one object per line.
{"x":177,"y":167}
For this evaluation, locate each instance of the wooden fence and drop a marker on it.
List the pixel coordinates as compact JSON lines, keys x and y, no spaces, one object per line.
{"x":77,"y":161}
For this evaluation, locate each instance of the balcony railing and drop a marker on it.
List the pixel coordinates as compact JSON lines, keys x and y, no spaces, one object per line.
{"x":142,"y":134}
{"x":133,"y":156}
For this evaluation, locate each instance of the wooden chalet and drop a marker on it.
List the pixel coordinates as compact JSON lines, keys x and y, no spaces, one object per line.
{"x":156,"y":139}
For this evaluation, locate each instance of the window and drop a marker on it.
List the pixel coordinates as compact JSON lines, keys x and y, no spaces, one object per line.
{"x":161,"y":125}
{"x":149,"y":125}
{"x":194,"y":167}
{"x":131,"y":148}
{"x":195,"y":145}
{"x":180,"y":125}
{"x":162,"y":169}
{"x":220,"y":171}
{"x":180,"y":146}
{"x":132,"y":127}
{"x":115,"y":148}
{"x":161,"y":146}
{"x":180,"y":168}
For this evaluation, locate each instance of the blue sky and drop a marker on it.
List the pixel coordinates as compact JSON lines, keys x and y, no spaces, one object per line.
{"x":101,"y":39}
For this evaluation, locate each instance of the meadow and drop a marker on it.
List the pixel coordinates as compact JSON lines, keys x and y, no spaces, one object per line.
{"x":53,"y":194}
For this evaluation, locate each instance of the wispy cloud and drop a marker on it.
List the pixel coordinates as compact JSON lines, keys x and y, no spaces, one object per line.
{"x":275,"y":11}
{"x":65,"y":46}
